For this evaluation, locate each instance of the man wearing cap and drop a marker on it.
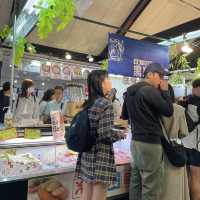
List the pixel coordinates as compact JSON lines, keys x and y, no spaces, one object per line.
{"x":146,"y":102}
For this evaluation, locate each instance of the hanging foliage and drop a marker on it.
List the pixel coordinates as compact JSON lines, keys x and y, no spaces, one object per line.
{"x":5,"y":32}
{"x":197,"y":70}
{"x":104,"y":64}
{"x":54,"y":13}
{"x":176,"y":79}
{"x":19,"y":50}
{"x":30,"y":48}
{"x":179,"y":62}
{"x":20,"y":47}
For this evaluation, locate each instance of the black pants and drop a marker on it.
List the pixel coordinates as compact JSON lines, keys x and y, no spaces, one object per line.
{"x":14,"y":190}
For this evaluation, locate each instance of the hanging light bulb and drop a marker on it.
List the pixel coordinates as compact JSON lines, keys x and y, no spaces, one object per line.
{"x":90,"y":58}
{"x":68,"y":56}
{"x":186,"y":48}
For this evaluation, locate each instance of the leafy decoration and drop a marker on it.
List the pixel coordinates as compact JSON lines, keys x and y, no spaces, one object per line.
{"x":30,"y":48}
{"x":5,"y":32}
{"x":54,"y":13}
{"x":20,"y":47}
{"x":197,"y":70}
{"x":179,"y":62}
{"x":176,"y":79}
{"x":20,"y":50}
{"x":104,"y":64}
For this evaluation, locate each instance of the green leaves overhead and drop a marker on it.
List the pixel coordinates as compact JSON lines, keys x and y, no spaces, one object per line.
{"x":176,"y":79}
{"x":20,"y":47}
{"x":179,"y":62}
{"x":5,"y":32}
{"x":54,"y":13}
{"x":104,"y":64}
{"x":19,"y":50}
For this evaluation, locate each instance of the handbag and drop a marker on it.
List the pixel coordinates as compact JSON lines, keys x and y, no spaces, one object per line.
{"x":175,"y":152}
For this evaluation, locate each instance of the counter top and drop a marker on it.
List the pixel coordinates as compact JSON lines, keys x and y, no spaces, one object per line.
{"x":22,"y":142}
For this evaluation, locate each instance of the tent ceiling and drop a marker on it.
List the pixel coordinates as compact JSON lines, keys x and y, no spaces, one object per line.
{"x":89,"y":38}
{"x":5,"y":10}
{"x":159,"y":16}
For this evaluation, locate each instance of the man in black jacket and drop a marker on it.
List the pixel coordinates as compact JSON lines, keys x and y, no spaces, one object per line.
{"x":146,"y":102}
{"x":4,"y":100}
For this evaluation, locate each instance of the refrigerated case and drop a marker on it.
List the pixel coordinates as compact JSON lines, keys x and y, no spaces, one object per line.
{"x":42,"y":161}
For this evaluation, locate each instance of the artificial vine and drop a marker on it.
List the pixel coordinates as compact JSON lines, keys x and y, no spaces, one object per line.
{"x":179,"y":62}
{"x":5,"y":32}
{"x":176,"y":79}
{"x":197,"y":70}
{"x":54,"y":13}
{"x":104,"y":64}
{"x":20,"y":47}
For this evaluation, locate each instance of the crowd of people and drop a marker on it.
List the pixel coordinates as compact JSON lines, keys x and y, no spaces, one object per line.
{"x":153,"y":113}
{"x":27,"y":105}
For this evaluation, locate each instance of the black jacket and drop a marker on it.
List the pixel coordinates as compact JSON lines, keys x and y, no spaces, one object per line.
{"x":145,"y":105}
{"x":4,"y":103}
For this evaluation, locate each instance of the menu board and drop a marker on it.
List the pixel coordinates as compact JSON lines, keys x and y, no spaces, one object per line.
{"x":66,"y":73}
{"x":55,"y":71}
{"x":45,"y":70}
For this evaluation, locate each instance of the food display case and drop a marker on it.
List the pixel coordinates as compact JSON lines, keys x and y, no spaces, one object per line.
{"x":43,"y":160}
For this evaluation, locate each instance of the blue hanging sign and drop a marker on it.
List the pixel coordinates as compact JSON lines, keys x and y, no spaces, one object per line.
{"x":130,"y":57}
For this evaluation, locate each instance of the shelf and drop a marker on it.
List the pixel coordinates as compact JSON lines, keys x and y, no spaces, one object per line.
{"x":21,"y":142}
{"x":47,"y":171}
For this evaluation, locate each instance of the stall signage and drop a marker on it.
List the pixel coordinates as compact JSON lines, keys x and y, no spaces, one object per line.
{"x":58,"y":126}
{"x":32,"y":133}
{"x":8,"y":134}
{"x":130,"y":57}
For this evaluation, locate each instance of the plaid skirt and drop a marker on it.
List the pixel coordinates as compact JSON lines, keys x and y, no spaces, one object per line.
{"x":97,"y":165}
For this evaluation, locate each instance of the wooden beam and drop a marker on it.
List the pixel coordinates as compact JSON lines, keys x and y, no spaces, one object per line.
{"x":128,"y":23}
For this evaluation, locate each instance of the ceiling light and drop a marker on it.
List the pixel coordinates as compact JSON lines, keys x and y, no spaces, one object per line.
{"x":15,"y":81}
{"x":43,"y":84}
{"x":68,"y":56}
{"x":90,"y":58}
{"x":186,"y":49}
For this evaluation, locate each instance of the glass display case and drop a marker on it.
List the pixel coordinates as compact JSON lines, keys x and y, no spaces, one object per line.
{"x":42,"y":160}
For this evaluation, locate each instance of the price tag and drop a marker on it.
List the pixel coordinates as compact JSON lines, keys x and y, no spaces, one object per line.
{"x":32,"y":133}
{"x":8,"y":134}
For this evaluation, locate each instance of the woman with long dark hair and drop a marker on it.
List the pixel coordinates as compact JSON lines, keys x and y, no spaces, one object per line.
{"x":97,"y":167}
{"x":26,"y":106}
{"x":48,"y":96}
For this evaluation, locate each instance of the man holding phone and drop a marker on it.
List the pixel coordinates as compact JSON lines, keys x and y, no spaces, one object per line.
{"x":146,"y":102}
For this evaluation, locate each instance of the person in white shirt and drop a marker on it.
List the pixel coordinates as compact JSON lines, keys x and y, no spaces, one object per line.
{"x":26,"y":105}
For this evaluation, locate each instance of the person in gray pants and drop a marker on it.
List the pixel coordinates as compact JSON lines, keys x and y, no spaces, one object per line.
{"x":146,"y":102}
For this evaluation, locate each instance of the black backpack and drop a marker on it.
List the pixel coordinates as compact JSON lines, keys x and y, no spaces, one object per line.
{"x":79,"y":137}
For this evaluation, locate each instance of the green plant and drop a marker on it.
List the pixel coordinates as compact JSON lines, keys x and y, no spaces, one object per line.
{"x":176,"y":79}
{"x":52,"y":13}
{"x":5,"y":32}
{"x":19,"y":50}
{"x":179,"y":62}
{"x":20,"y":47}
{"x":197,"y":70}
{"x":104,"y":64}
{"x":30,"y":48}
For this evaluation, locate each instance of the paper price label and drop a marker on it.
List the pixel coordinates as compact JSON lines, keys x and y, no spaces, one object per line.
{"x":32,"y":133}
